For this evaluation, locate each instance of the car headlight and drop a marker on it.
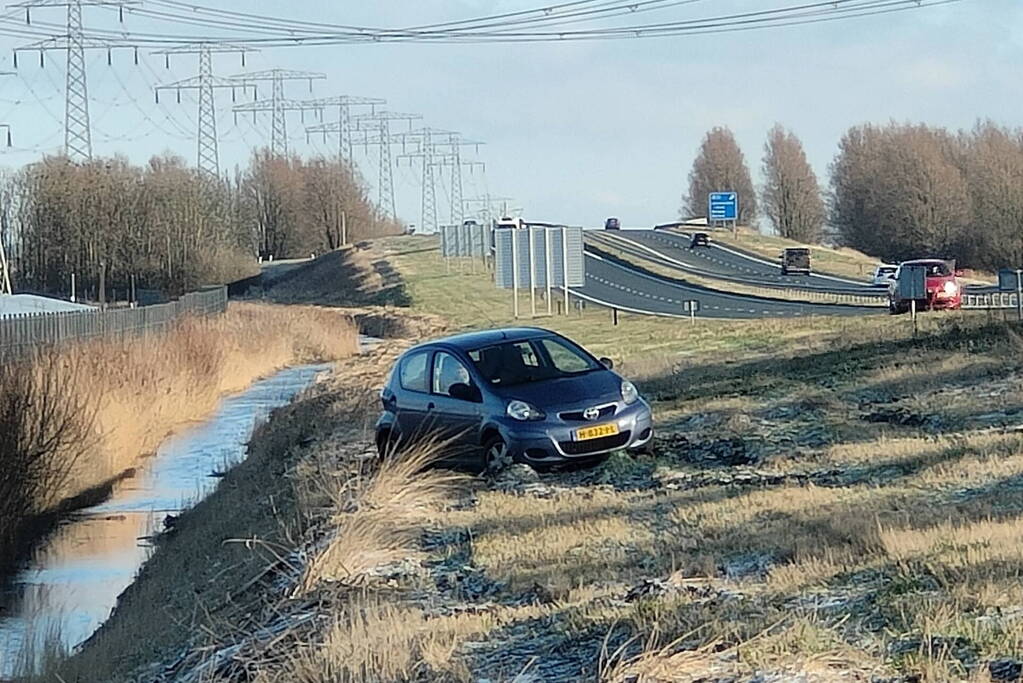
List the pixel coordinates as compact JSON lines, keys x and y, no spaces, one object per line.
{"x":951,"y":287}
{"x":520,"y":410}
{"x":629,"y":392}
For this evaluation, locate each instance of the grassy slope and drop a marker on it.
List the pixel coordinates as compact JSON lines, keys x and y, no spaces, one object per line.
{"x":471,"y":301}
{"x":876,"y":528}
{"x":844,"y":262}
{"x":878,"y":491}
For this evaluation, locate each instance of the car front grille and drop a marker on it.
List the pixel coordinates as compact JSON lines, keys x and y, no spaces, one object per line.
{"x":577,"y":415}
{"x":605,"y":443}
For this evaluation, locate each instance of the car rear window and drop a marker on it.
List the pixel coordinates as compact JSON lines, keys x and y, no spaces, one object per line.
{"x":414,"y":375}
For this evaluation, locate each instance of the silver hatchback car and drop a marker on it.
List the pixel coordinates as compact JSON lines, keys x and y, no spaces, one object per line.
{"x":523,"y":394}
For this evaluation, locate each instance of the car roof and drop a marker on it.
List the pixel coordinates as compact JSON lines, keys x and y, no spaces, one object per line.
{"x":923,"y":262}
{"x":468,"y":341}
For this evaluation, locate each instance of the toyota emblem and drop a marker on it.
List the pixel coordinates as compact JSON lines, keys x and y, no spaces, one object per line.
{"x":591,"y":413}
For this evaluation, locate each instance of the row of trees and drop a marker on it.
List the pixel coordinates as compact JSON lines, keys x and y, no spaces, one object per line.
{"x":896,"y":191}
{"x":166,"y":226}
{"x":790,"y":196}
{"x":900,"y":190}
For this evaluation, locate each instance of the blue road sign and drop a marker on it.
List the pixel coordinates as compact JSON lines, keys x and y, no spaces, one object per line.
{"x":723,"y":206}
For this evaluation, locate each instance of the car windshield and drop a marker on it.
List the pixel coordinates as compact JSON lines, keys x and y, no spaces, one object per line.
{"x":937,"y":270}
{"x":531,"y":360}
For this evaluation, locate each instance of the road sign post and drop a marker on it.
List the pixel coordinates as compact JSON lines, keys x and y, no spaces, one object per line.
{"x":564,"y":265}
{"x":532,"y":272}
{"x":518,"y":262}
{"x":692,"y":307}
{"x":547,"y":263}
{"x":912,"y":285}
{"x":1010,"y":280}
{"x":724,"y":207}
{"x":515,"y":274}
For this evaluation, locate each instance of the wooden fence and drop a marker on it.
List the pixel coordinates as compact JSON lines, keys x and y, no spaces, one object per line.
{"x":20,"y":333}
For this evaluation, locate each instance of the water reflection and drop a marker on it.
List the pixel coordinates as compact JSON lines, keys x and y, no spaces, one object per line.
{"x":72,"y":581}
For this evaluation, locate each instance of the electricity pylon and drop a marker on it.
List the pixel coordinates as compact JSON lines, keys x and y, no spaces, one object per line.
{"x":426,"y":139}
{"x":378,"y":123}
{"x":77,"y":130}
{"x":486,"y":203}
{"x":344,"y":104}
{"x":385,"y":186}
{"x":454,"y":159}
{"x":208,"y":157}
{"x":278,"y":105}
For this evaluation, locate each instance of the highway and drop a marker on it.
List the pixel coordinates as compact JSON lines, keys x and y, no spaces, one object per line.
{"x":631,"y":288}
{"x":724,"y":263}
{"x":730,"y":264}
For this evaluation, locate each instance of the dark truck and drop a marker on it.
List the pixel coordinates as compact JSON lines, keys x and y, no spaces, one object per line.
{"x":795,"y":260}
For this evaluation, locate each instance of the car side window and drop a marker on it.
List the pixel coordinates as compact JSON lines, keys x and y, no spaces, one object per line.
{"x":414,"y":374}
{"x":563,"y":358}
{"x":448,"y":370}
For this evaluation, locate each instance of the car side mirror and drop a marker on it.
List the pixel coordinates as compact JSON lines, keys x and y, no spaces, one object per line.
{"x":465,"y":392}
{"x":607,"y":363}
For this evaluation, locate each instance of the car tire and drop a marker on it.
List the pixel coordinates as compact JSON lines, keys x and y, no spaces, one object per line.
{"x":387,"y":443}
{"x":495,"y":455}
{"x":646,"y":449}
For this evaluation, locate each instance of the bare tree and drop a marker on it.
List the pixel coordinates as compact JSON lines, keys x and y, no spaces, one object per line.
{"x":992,"y":161}
{"x":45,"y":428}
{"x":791,"y":197}
{"x":720,"y":167}
{"x":899,"y":192}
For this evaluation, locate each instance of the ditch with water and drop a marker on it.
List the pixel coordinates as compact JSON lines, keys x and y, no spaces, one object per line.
{"x":70,"y":584}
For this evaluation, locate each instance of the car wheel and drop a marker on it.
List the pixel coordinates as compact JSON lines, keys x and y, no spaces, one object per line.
{"x":495,"y":454}
{"x":387,"y":443}
{"x":892,"y":307}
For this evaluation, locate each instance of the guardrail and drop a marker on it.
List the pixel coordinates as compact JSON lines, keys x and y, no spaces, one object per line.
{"x":991,"y":300}
{"x":20,"y":333}
{"x":796,"y":295}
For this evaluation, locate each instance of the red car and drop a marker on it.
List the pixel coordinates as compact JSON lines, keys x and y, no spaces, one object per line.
{"x":942,"y":287}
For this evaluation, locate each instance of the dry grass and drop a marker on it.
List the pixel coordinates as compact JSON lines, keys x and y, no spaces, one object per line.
{"x":89,"y":412}
{"x":148,"y":387}
{"x":874,"y":547}
{"x":375,"y":516}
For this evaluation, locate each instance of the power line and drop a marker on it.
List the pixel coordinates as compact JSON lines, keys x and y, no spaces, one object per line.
{"x":292,"y":32}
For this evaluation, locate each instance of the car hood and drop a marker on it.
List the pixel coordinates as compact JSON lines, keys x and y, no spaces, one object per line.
{"x":939,"y":280}
{"x":591,"y":388}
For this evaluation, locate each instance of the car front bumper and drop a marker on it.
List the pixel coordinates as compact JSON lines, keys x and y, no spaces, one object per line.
{"x":552,"y":441}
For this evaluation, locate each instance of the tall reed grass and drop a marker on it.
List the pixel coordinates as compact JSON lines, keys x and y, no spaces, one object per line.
{"x":73,"y":419}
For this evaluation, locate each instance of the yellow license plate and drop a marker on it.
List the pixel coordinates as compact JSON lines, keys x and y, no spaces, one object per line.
{"x":596,"y":431}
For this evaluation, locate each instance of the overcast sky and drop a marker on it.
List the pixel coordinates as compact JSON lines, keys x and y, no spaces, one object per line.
{"x":575,"y":132}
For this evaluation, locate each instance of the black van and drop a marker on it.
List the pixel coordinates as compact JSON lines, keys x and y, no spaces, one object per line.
{"x":795,"y":260}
